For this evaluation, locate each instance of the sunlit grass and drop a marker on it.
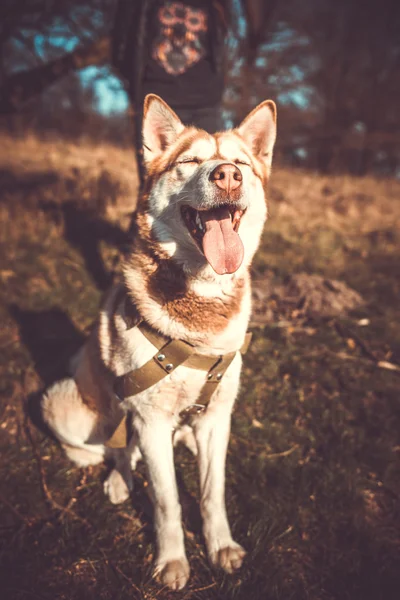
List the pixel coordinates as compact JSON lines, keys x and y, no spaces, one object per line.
{"x":313,"y":471}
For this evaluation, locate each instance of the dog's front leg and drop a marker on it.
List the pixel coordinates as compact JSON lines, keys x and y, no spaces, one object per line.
{"x":155,"y":442}
{"x":212,"y":435}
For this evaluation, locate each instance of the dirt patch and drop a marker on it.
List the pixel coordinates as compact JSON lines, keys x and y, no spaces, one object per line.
{"x":302,"y":295}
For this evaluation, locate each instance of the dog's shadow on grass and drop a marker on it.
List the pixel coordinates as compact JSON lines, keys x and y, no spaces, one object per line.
{"x":51,"y":340}
{"x":84,"y":227}
{"x":84,"y":230}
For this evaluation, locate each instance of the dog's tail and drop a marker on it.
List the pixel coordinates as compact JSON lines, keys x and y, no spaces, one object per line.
{"x":73,"y":423}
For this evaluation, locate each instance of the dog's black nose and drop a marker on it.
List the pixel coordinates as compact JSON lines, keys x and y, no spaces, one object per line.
{"x":227,"y":177}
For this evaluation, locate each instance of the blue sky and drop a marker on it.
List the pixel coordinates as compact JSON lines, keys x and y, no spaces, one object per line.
{"x":109,"y":92}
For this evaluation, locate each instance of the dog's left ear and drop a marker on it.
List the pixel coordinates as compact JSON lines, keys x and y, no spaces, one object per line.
{"x":259,"y":130}
{"x":161,"y":126}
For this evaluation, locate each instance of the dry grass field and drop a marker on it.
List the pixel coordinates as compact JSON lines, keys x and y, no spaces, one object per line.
{"x":313,"y":473}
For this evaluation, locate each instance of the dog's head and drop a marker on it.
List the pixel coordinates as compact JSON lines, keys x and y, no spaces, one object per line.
{"x":206,"y":193}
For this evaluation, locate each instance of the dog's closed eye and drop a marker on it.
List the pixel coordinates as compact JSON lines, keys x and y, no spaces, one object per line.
{"x":189,"y":160}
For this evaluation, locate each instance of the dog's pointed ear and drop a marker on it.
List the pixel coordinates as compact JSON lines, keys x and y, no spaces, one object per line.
{"x":161,"y":126}
{"x":259,"y":130}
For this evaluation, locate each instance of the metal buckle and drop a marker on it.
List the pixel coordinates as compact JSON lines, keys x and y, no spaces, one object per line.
{"x":193,"y":409}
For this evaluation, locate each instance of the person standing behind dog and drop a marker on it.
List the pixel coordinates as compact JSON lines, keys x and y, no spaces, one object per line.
{"x":174,"y":49}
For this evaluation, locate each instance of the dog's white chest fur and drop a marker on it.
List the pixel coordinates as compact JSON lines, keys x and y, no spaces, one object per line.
{"x":178,"y":390}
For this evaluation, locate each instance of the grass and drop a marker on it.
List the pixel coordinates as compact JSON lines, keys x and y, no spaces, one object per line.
{"x":313,"y":473}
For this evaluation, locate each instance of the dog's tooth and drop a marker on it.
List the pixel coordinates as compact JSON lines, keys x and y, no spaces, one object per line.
{"x":198,"y":222}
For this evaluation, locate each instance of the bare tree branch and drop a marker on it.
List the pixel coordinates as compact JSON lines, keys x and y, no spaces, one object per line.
{"x":21,"y":87}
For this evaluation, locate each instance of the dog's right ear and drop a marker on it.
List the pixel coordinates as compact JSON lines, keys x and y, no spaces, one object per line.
{"x":161,"y":126}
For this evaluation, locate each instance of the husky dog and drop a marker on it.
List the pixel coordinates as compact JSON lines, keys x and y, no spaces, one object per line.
{"x":186,"y":289}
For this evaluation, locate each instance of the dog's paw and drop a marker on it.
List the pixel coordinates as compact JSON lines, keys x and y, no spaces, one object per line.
{"x":228,"y":558}
{"x":116,"y":488}
{"x":173,"y":574}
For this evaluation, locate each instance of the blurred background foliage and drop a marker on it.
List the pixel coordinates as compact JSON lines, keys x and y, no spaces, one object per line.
{"x":332,"y":66}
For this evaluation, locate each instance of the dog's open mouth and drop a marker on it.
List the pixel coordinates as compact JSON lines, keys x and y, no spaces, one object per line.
{"x":216,"y":233}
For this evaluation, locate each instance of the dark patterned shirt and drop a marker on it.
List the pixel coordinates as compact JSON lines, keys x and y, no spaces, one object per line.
{"x":179,"y":67}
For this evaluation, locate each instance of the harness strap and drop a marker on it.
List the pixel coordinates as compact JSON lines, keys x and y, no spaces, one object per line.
{"x":165,"y":361}
{"x":171,"y":354}
{"x":120,"y":435}
{"x":214,"y":377}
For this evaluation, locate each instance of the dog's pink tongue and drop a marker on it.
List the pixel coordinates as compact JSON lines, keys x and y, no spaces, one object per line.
{"x":222,"y":246}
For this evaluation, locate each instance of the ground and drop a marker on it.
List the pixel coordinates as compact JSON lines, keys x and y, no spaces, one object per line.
{"x":313,"y":470}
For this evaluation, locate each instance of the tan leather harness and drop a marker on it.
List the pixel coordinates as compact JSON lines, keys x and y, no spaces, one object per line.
{"x":169,"y":356}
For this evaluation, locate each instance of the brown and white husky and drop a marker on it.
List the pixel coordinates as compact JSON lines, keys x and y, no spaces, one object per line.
{"x":186,"y":278}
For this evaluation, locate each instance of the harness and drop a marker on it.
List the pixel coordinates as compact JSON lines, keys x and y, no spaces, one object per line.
{"x":169,"y":356}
